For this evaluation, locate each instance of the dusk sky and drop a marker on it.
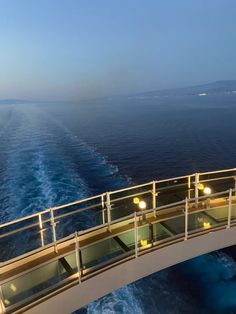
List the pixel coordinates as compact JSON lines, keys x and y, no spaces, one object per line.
{"x":73,"y":49}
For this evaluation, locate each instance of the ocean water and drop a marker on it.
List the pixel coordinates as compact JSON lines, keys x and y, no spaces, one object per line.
{"x":58,"y":152}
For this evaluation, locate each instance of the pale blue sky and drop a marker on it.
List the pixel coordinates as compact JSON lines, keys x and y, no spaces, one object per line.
{"x":71,"y":49}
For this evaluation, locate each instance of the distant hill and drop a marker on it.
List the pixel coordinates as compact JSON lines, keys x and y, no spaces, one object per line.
{"x":215,"y":88}
{"x":220,"y":87}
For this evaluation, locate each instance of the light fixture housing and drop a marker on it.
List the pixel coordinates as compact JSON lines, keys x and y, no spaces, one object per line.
{"x":200,"y":186}
{"x":136,"y":200}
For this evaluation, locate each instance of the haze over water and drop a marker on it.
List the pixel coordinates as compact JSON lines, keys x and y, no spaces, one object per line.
{"x":55,"y":153}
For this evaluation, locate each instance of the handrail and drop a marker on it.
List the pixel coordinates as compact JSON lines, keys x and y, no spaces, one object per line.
{"x":24,"y":218}
{"x":175,"y":178}
{"x":217,"y":171}
{"x":211,"y":196}
{"x":48,"y":210}
{"x":105,"y":210}
{"x":111,"y":193}
{"x":78,"y":202}
{"x":130,"y":188}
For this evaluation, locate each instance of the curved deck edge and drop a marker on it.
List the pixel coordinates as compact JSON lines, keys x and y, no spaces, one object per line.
{"x":118,"y":276}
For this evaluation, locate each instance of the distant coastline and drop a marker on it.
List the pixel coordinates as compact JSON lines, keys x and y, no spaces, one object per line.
{"x":227,"y":87}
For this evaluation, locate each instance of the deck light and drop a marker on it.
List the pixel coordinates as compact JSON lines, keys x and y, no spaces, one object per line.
{"x":207,"y":190}
{"x":200,"y":186}
{"x":136,"y":200}
{"x":142,"y":205}
{"x":143,"y":242}
{"x":7,"y":302}
{"x":13,"y":287}
{"x":206,"y":225}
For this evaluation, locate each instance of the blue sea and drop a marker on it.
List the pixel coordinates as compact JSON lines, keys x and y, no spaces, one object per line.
{"x":53,"y":153}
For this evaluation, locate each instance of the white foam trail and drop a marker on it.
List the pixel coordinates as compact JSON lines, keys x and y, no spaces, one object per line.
{"x":120,"y":301}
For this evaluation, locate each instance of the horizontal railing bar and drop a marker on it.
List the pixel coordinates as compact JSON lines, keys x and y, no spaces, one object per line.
{"x":24,"y":218}
{"x":209,"y":196}
{"x":217,"y":179}
{"x":19,"y":230}
{"x":169,"y":205}
{"x":77,"y":211}
{"x":130,"y":196}
{"x":217,"y":171}
{"x":130,"y":188}
{"x":56,"y":217}
{"x":48,"y":210}
{"x":78,"y":202}
{"x":176,"y":178}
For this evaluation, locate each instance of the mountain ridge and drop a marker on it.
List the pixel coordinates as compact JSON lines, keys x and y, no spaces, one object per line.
{"x":217,"y":87}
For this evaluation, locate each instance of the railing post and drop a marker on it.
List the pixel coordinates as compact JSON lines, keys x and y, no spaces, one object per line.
{"x":41,"y":229}
{"x":186,"y":219}
{"x":2,"y":306}
{"x":77,"y":256}
{"x":53,"y":229}
{"x":154,"y":201}
{"x":230,"y":208}
{"x":40,"y":222}
{"x":189,"y":186}
{"x":103,"y":209}
{"x":234,"y":186}
{"x":135,"y":235}
{"x":196,"y":188}
{"x":108,"y":203}
{"x":189,"y":182}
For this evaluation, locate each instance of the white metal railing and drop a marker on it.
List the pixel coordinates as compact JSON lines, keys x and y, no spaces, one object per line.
{"x":105,"y":203}
{"x":183,"y":209}
{"x":196,"y":180}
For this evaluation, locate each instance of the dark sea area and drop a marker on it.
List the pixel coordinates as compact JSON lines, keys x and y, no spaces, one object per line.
{"x":53,"y":153}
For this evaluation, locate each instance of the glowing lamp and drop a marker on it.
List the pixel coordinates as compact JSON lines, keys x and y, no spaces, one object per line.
{"x":207,"y":190}
{"x":136,"y":200}
{"x":7,"y":302}
{"x":200,"y":186}
{"x":143,"y":242}
{"x":142,"y":205}
{"x":206,"y":225}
